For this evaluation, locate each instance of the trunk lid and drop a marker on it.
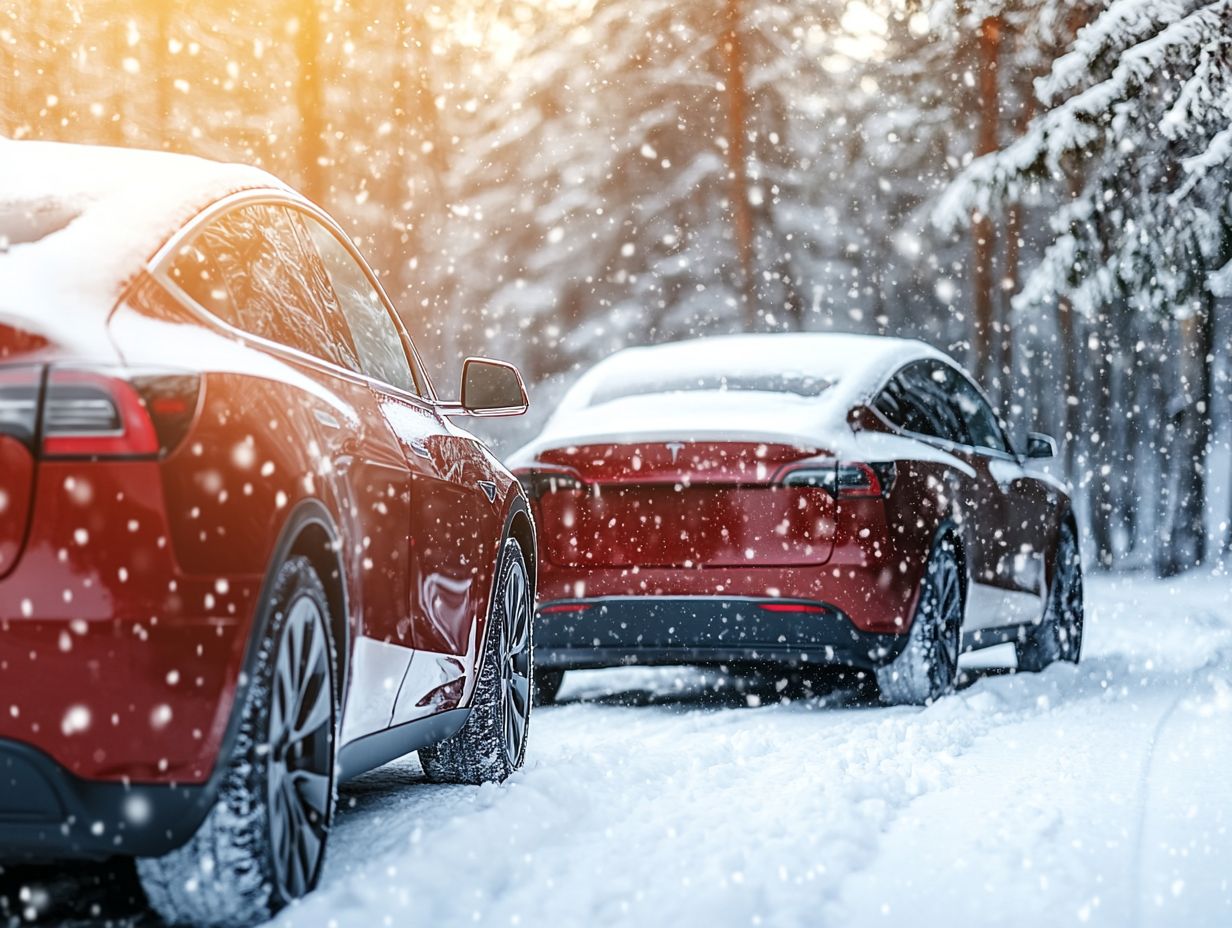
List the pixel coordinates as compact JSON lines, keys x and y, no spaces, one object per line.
{"x":691,"y":504}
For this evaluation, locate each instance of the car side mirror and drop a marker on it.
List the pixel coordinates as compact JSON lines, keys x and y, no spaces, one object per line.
{"x":492,"y":388}
{"x":1040,"y":445}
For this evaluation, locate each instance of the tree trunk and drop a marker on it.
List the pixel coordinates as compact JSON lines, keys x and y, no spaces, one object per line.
{"x":983,"y":279}
{"x":1067,"y":352}
{"x":162,"y":75}
{"x":10,"y":72}
{"x":1013,"y":256}
{"x":423,"y":181}
{"x":737,"y":165}
{"x":1101,"y":458}
{"x":1129,"y":422}
{"x":309,"y":100}
{"x":1183,"y":534}
{"x":1067,"y":335}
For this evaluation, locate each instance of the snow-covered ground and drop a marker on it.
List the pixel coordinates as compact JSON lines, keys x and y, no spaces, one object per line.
{"x":1097,"y":795}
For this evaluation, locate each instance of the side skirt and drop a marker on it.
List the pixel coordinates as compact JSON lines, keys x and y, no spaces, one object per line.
{"x":990,"y":637}
{"x":379,"y":748}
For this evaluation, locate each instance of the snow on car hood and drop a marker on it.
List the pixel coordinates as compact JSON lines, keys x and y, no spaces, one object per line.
{"x":79,"y":222}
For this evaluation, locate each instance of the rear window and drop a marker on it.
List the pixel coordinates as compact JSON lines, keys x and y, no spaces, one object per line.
{"x":654,"y":383}
{"x":22,"y":223}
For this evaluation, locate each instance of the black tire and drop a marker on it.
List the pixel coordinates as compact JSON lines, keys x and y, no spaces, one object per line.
{"x":492,"y":743}
{"x":927,"y":668}
{"x":263,"y":843}
{"x":1058,"y":634}
{"x":547,"y":686}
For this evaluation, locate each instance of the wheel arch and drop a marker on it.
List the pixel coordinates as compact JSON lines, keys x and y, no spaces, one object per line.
{"x":1066,"y":516}
{"x":521,"y":528}
{"x":518,"y":526}
{"x":314,"y":536}
{"x":309,"y":530}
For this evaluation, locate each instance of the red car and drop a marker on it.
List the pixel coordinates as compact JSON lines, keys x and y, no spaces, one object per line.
{"x":244,"y":554}
{"x":803,"y":500}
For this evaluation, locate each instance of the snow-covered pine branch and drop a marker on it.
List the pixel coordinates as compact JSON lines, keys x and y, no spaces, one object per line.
{"x":1141,"y":147}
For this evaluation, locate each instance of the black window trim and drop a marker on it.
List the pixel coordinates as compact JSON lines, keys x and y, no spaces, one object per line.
{"x":159,"y":268}
{"x":933,"y":439}
{"x":996,"y":420}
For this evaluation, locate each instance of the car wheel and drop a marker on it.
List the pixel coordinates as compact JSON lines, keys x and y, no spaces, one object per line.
{"x":927,"y":667}
{"x":263,"y":843}
{"x":547,"y":685}
{"x":1058,"y":634}
{"x":492,"y":743}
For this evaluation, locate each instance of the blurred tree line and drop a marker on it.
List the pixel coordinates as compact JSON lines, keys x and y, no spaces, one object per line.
{"x":552,"y":180}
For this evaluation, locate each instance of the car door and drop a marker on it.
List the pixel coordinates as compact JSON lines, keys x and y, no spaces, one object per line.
{"x":252,"y":265}
{"x":450,"y":540}
{"x":932,"y":384}
{"x":1020,"y":500}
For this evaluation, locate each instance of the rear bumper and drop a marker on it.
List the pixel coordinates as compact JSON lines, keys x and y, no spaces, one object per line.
{"x":621,"y":630}
{"x":47,"y":813}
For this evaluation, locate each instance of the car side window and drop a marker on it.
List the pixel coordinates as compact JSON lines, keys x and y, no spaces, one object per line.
{"x":378,"y":343}
{"x":896,"y":405}
{"x":197,"y":274}
{"x":248,"y":268}
{"x":928,"y":387}
{"x":322,"y":290}
{"x":981,"y":422}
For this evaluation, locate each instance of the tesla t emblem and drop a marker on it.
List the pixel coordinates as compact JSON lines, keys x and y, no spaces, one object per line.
{"x":675,"y":447}
{"x":489,"y":489}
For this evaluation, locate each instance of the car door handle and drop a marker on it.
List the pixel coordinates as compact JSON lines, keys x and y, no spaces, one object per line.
{"x":326,"y":419}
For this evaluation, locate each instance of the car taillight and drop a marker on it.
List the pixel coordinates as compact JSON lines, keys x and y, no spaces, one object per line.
{"x":564,"y":607}
{"x":171,"y":400}
{"x":791,"y":607}
{"x":537,"y":483}
{"x":19,"y":393}
{"x":845,"y":479}
{"x":109,"y":413}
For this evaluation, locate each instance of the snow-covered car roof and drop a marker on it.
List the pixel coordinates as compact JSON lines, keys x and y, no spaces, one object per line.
{"x":79,"y":222}
{"x":795,"y":387}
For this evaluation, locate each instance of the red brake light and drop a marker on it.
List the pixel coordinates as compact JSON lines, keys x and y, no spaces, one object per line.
{"x":19,"y":397}
{"x":564,"y":607}
{"x":539,"y":482}
{"x":845,"y":479}
{"x":855,"y":480}
{"x":790,"y":607}
{"x":106,"y":413}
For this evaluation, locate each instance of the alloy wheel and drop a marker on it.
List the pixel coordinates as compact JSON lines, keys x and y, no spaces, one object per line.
{"x":948,"y":605}
{"x":301,"y":747}
{"x":1069,"y":597}
{"x":515,"y":670}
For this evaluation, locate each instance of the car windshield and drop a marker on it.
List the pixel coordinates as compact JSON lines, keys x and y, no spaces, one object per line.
{"x":618,"y":387}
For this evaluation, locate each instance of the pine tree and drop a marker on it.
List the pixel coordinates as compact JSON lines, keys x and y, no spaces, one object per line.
{"x":1140,"y":123}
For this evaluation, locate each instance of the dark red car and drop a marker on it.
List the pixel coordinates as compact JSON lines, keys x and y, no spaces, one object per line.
{"x":804,"y":500}
{"x":244,"y":554}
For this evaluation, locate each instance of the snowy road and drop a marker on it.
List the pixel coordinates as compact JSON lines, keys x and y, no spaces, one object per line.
{"x":1098,"y":795}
